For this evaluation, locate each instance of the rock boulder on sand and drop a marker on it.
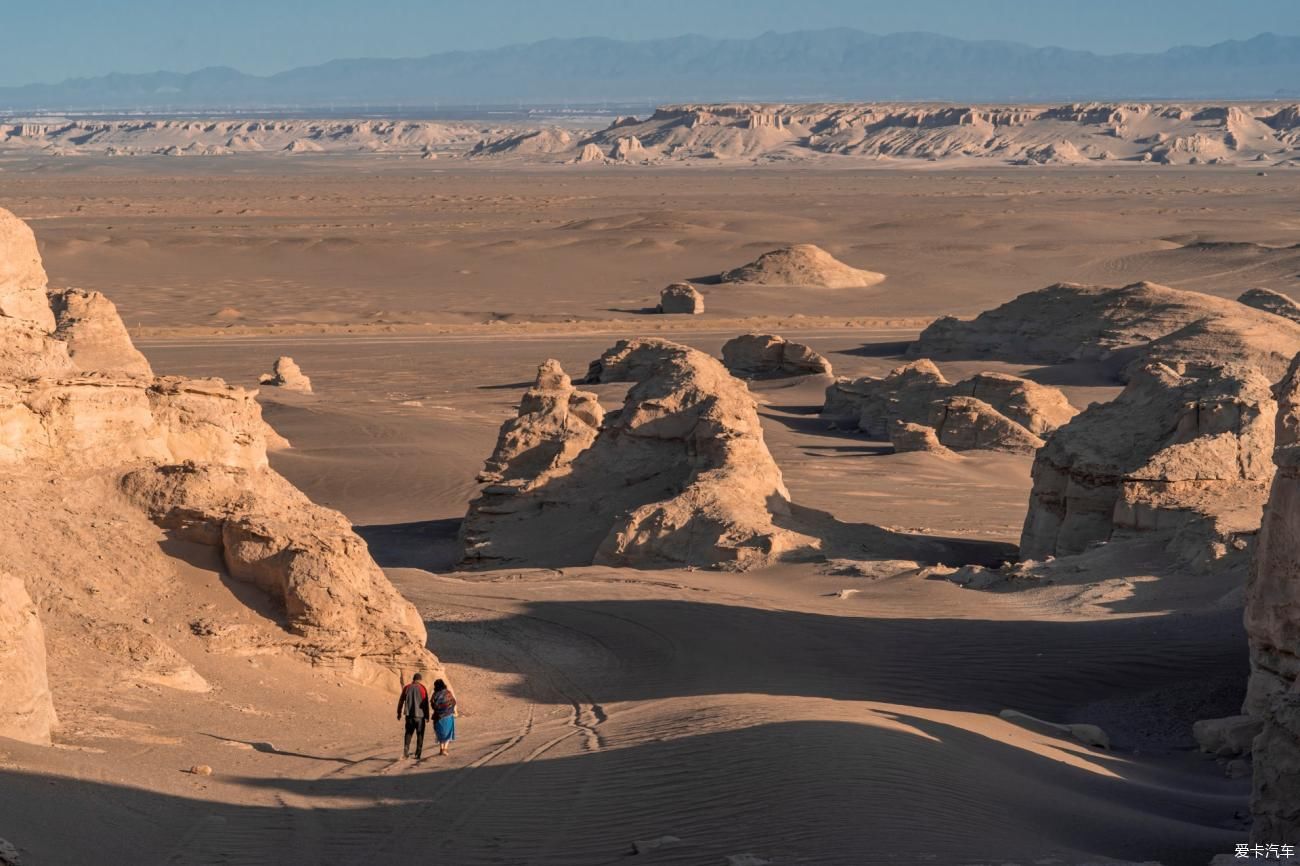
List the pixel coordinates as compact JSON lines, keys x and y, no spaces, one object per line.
{"x":27,"y":712}
{"x":680,"y":476}
{"x":771,"y":355}
{"x":1127,"y":327}
{"x":1271,"y":302}
{"x":988,"y":410}
{"x":1273,"y":629}
{"x":907,"y":436}
{"x":286,"y":374}
{"x":801,"y":265}
{"x":681,"y":298}
{"x":1182,"y":454}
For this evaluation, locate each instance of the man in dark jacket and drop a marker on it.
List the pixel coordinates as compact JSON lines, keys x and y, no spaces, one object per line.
{"x":413,"y":703}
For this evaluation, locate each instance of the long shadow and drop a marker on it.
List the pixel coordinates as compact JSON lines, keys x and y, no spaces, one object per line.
{"x":508,"y":386}
{"x":904,"y":790}
{"x":1054,"y":670}
{"x":271,"y":749}
{"x":638,"y":311}
{"x":888,"y":349}
{"x":428,"y":544}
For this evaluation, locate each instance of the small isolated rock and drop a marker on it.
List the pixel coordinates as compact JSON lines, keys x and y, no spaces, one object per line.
{"x":681,"y":298}
{"x":645,"y":846}
{"x":201,"y":770}
{"x":772,"y":355}
{"x":9,"y":854}
{"x":907,"y":436}
{"x":288,"y":375}
{"x":1089,"y":735}
{"x":1229,"y":737}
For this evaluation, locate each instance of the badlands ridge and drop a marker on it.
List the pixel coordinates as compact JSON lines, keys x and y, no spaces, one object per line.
{"x":1076,"y":134}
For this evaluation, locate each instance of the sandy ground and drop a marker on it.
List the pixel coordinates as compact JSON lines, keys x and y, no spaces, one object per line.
{"x":769,"y":714}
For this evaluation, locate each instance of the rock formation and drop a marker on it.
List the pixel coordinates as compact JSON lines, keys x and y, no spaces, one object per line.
{"x":82,"y":421}
{"x":28,"y":710}
{"x":1181,"y":454}
{"x":681,"y":298}
{"x":679,"y":477}
{"x":907,"y":436}
{"x":801,"y":265}
{"x":1126,"y":327}
{"x":286,"y":374}
{"x":22,"y":277}
{"x":770,"y":355}
{"x":1271,"y":302}
{"x":1273,"y":629}
{"x":987,"y":411}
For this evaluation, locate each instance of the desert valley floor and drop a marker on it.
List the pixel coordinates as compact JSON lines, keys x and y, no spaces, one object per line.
{"x":810,"y":712}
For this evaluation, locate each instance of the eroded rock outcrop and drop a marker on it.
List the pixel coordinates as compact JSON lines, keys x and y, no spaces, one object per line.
{"x":1182,"y":453}
{"x":1273,"y":628}
{"x":801,"y":265}
{"x":679,"y":298}
{"x":1125,"y":327}
{"x":771,"y":355}
{"x":27,"y":712}
{"x":79,"y":412}
{"x":1271,"y":302}
{"x":22,"y":276}
{"x":286,"y":374}
{"x":987,"y":411}
{"x":680,"y":476}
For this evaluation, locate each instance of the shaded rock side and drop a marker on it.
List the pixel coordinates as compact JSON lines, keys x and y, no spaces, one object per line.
{"x":1272,"y":621}
{"x":681,"y":298}
{"x":680,"y":476}
{"x":771,"y":355}
{"x":1126,"y":327}
{"x":27,"y":712}
{"x":1271,"y":302}
{"x":1182,"y":453}
{"x":801,"y":265}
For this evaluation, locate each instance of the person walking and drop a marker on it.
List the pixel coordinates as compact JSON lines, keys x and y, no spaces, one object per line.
{"x":444,"y":715}
{"x":413,"y":703}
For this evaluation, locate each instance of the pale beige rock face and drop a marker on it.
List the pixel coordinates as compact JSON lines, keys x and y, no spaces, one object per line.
{"x":1273,"y":628}
{"x":907,"y":436}
{"x":801,"y":265}
{"x":679,"y":298}
{"x":27,"y":712}
{"x":22,"y":277}
{"x":772,"y":355}
{"x":286,"y":374}
{"x":80,"y":409}
{"x":1180,"y":453}
{"x":968,"y":424}
{"x":680,"y":477}
{"x":95,"y":336}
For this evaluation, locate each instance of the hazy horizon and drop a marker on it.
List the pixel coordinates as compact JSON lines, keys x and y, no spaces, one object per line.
{"x":68,"y":39}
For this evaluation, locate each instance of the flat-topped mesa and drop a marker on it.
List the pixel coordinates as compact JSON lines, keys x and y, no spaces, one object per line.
{"x":1125,"y":328}
{"x":286,"y":374}
{"x":80,"y":411}
{"x":1271,"y":302}
{"x":680,"y":476}
{"x":1273,"y":628}
{"x":1182,"y":454}
{"x":801,"y":265}
{"x":988,"y":411}
{"x":772,"y":355}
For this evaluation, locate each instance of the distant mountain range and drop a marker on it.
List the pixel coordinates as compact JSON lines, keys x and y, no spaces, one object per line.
{"x":829,"y":65}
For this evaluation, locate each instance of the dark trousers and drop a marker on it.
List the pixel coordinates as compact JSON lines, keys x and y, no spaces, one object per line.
{"x":414,"y":726}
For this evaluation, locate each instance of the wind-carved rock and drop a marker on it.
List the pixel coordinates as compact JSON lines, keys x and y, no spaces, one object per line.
{"x":79,"y":412}
{"x":1271,"y":302}
{"x":1181,"y":454}
{"x":679,"y":298}
{"x":1273,"y":628}
{"x":988,"y":411}
{"x":772,"y":355}
{"x":680,"y":476}
{"x":801,"y":265}
{"x":286,"y":374}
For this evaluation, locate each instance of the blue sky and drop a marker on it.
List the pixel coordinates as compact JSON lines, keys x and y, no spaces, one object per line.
{"x":50,"y":40}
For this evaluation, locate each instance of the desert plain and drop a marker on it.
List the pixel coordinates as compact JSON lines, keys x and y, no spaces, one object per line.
{"x":837,"y":707}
